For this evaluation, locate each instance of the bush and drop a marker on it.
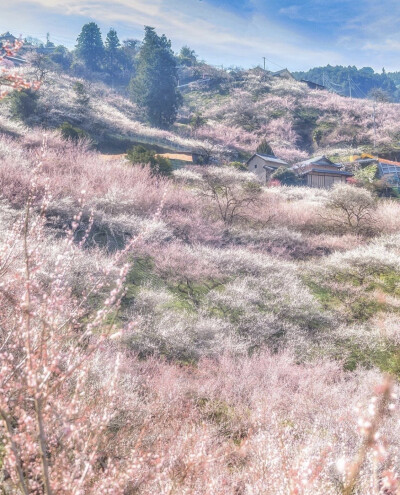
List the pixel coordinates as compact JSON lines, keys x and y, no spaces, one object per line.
{"x":23,"y":104}
{"x":71,"y":133}
{"x":285,"y":176}
{"x":197,"y":121}
{"x":239,"y":166}
{"x":351,"y":208}
{"x":141,"y":155}
{"x":82,"y":97}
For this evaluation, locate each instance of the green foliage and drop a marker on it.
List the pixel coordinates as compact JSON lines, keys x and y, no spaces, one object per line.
{"x":112,"y":53}
{"x":264,"y":148}
{"x":238,"y":166}
{"x":286,"y":176}
{"x":90,"y":48}
{"x":386,"y":357}
{"x":197,"y":121}
{"x":367,"y":174}
{"x":141,"y":155}
{"x":81,"y":96}
{"x":187,"y":57}
{"x":362,"y":81}
{"x":141,"y":272}
{"x":155,"y":87}
{"x":23,"y":104}
{"x":69,"y":132}
{"x":61,"y":57}
{"x":322,"y":130}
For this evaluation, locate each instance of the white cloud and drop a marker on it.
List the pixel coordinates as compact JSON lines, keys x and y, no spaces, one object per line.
{"x":212,"y":31}
{"x":222,"y":36}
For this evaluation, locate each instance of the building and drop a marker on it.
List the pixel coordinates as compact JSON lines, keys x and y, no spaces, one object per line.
{"x":387,"y":170}
{"x":7,"y":38}
{"x":264,"y":165}
{"x":321,"y":172}
{"x":313,"y":85}
{"x":284,"y":74}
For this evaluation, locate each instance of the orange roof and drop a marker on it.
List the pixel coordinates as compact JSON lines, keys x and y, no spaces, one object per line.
{"x":389,"y":162}
{"x":381,"y":160}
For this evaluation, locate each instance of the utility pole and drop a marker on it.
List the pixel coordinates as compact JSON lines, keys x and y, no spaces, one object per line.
{"x":374,"y":117}
{"x":323,"y":79}
{"x":348,"y":76}
{"x":264,"y":62}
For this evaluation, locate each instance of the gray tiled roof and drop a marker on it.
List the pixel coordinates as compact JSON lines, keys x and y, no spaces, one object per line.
{"x":327,"y":172}
{"x":315,"y":161}
{"x":270,"y":158}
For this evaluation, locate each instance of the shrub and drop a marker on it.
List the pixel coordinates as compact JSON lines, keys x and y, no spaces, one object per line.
{"x":23,"y":104}
{"x":141,"y":155}
{"x":69,"y":132}
{"x":82,"y":97}
{"x":197,"y":121}
{"x":285,"y":176}
{"x":239,"y":166}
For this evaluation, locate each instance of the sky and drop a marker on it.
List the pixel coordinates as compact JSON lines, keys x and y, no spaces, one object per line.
{"x":289,"y":33}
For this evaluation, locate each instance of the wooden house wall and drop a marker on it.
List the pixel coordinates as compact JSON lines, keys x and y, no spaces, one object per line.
{"x":323,"y":181}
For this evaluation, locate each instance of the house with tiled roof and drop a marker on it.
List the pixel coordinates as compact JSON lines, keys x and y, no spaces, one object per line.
{"x":321,"y":172}
{"x":264,"y":165}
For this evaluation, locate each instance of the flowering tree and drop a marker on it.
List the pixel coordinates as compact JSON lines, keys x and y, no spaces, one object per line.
{"x":8,"y":80}
{"x":233,"y":192}
{"x":52,"y":428}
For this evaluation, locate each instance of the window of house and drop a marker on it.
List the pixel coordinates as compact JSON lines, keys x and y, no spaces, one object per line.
{"x":255,"y":166}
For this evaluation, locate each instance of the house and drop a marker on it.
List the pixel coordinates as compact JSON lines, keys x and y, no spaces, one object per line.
{"x":321,"y":172}
{"x":387,"y":170}
{"x":313,"y":85}
{"x":264,"y":165}
{"x":7,"y":38}
{"x":284,"y":74}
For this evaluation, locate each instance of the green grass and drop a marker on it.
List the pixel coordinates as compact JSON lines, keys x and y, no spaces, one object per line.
{"x":228,"y":420}
{"x":385,"y":357}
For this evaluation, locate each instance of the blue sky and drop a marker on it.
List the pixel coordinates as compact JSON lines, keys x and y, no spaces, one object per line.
{"x":289,"y":33}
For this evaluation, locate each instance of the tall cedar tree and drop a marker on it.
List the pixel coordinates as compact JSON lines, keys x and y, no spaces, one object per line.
{"x":155,"y":87}
{"x":265,"y":149}
{"x":90,"y":48}
{"x":112,"y":45}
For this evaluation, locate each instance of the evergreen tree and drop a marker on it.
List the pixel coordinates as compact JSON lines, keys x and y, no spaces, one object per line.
{"x":155,"y":87}
{"x":187,"y":56}
{"x":90,"y":48}
{"x":112,"y":45}
{"x":264,"y":148}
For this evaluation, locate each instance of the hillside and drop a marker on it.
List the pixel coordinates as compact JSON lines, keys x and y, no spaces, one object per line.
{"x":195,"y":332}
{"x":350,"y":81}
{"x":295,"y":120}
{"x":236,"y":112}
{"x":109,"y":119}
{"x":205,"y":327}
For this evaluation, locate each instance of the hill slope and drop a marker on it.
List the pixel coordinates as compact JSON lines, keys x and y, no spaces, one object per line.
{"x":296,"y":120}
{"x":234,"y":112}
